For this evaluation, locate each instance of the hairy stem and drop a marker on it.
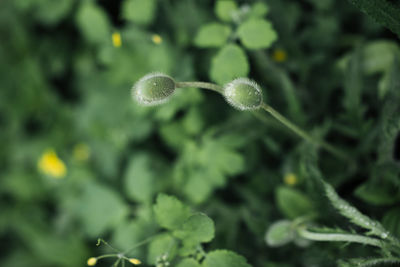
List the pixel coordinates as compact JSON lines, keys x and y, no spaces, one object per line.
{"x":301,"y":132}
{"x":204,"y":85}
{"x":336,"y":237}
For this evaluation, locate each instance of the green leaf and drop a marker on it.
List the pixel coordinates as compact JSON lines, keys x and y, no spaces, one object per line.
{"x":391,"y":221}
{"x":224,"y":9}
{"x":163,"y":245}
{"x":229,"y":63}
{"x":198,"y":228}
{"x":259,"y":9}
{"x":139,"y":11}
{"x":170,"y":212}
{"x":188,"y":262}
{"x":197,"y":188}
{"x":379,"y":56}
{"x":377,"y":194}
{"x":139,"y":178}
{"x":212,"y":35}
{"x":385,"y":12}
{"x":293,"y":203}
{"x":93,"y":22}
{"x":224,"y":258}
{"x":100,"y":209}
{"x":257,"y":34}
{"x":279,"y":233}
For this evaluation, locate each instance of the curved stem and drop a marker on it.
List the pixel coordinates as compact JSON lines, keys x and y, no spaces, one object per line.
{"x":204,"y":85}
{"x":301,"y":132}
{"x":334,"y":237}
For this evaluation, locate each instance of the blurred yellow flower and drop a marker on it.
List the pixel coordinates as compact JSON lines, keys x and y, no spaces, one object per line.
{"x":116,"y":39}
{"x":135,"y":261}
{"x":81,"y":152}
{"x":91,"y":261}
{"x":156,"y":39}
{"x":279,"y":55}
{"x":290,"y":179}
{"x":50,"y":164}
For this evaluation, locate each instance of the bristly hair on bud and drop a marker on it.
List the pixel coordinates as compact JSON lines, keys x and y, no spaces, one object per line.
{"x":153,"y":89}
{"x":243,"y":94}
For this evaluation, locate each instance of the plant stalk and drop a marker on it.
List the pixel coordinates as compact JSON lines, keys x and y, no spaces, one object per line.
{"x":301,"y":132}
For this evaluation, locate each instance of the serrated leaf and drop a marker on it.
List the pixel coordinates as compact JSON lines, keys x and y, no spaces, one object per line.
{"x":212,"y":35}
{"x":188,"y":262}
{"x":224,"y":9}
{"x":139,"y":178}
{"x":198,"y":228}
{"x":230,"y":63}
{"x":224,"y":258}
{"x":293,"y":203}
{"x":257,"y":34}
{"x":170,"y":212}
{"x":162,"y":245}
{"x":139,"y":11}
{"x":279,"y":233}
{"x":93,"y":22}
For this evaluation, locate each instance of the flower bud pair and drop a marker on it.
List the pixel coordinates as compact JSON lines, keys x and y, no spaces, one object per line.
{"x":156,"y":88}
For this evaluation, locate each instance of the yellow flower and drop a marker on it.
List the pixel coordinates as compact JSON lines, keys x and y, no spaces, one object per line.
{"x":50,"y":164}
{"x":81,"y":152}
{"x":91,"y":261}
{"x":116,"y":39}
{"x":290,"y":179}
{"x":134,"y":261}
{"x":279,"y":55}
{"x":156,"y":39}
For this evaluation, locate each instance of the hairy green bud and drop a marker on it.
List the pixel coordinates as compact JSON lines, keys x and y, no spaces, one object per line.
{"x":243,"y":94}
{"x":153,"y":89}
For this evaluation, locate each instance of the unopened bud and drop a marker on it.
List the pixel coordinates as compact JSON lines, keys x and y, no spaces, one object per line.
{"x":153,"y":89}
{"x":243,"y":94}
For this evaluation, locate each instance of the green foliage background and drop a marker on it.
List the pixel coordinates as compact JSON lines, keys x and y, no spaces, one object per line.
{"x":64,"y":83}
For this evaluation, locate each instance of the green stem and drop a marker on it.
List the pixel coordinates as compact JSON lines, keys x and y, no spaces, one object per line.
{"x":333,"y":237}
{"x":204,"y":85}
{"x":302,"y":133}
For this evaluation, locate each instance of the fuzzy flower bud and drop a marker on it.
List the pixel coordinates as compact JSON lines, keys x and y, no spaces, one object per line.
{"x":153,"y":89}
{"x":243,"y":94}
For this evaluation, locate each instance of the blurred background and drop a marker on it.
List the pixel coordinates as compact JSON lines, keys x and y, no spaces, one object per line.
{"x":80,"y":160}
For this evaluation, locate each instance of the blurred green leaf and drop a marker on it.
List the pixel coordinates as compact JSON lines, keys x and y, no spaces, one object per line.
{"x":377,"y":194}
{"x":163,"y":245}
{"x":198,"y":228}
{"x":279,"y":233}
{"x":293,"y":203}
{"x":93,"y":23}
{"x":139,"y":11}
{"x":188,"y":262}
{"x":257,"y":34}
{"x":170,"y":212}
{"x":224,"y":9}
{"x":100,"y":208}
{"x":224,"y":258}
{"x":259,"y":9}
{"x":140,"y":178}
{"x":212,"y":35}
{"x":229,"y":63}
